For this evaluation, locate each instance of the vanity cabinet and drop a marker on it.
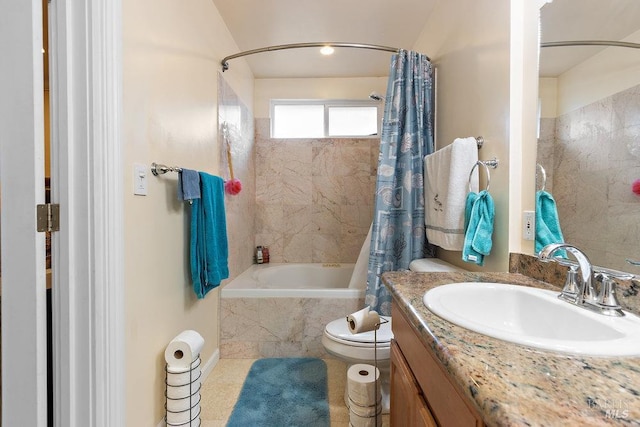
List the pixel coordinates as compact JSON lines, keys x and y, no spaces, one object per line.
{"x":421,"y":392}
{"x":407,"y":403}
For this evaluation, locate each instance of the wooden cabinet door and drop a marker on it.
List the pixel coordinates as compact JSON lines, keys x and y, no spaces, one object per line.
{"x":408,"y":408}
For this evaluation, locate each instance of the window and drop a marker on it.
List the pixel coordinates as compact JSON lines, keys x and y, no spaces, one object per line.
{"x":323,"y":118}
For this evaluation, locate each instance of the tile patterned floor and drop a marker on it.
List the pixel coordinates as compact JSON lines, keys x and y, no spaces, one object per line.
{"x":222,"y":388}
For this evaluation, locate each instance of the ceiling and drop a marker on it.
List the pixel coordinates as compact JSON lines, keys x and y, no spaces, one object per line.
{"x":256,"y":24}
{"x":398,"y":23}
{"x":583,"y":20}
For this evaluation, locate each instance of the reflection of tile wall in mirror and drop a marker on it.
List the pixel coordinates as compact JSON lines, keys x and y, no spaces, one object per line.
{"x":590,"y":170}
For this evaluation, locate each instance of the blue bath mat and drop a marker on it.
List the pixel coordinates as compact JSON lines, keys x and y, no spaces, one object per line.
{"x":283,"y":392}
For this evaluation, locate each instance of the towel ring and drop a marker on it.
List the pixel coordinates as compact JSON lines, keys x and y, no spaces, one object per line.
{"x":487,"y":164}
{"x":544,"y":176}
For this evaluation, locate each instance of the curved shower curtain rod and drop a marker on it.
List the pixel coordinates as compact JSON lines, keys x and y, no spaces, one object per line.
{"x":225,"y":60}
{"x":591,"y":43}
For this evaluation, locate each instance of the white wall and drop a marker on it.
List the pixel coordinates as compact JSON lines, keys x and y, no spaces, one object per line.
{"x":548,"y":87}
{"x":327,"y":88}
{"x":171,"y":56}
{"x":483,"y":65}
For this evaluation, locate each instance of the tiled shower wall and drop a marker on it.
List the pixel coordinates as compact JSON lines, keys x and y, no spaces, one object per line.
{"x":314,"y":197}
{"x":240,"y":208}
{"x":587,"y":154}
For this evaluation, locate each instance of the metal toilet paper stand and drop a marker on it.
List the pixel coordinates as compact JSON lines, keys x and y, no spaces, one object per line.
{"x":194,"y":395}
{"x":376,"y":326}
{"x":375,"y":364}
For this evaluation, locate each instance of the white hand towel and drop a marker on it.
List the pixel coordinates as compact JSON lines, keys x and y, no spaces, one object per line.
{"x":445,"y":191}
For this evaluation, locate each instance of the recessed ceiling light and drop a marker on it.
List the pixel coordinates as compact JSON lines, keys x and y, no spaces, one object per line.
{"x":327,"y":50}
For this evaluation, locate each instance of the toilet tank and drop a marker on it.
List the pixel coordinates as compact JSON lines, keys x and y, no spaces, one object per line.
{"x":432,"y":265}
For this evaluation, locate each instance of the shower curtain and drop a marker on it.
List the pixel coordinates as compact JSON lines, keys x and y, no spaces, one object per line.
{"x":398,"y":234}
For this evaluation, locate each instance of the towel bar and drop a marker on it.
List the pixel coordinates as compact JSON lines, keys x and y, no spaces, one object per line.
{"x":159,"y":169}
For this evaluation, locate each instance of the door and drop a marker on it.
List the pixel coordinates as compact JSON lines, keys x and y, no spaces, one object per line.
{"x":86,"y":178}
{"x":22,"y":249}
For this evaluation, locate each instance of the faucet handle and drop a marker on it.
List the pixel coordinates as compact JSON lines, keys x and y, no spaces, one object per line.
{"x":570,"y":289}
{"x":607,"y":296}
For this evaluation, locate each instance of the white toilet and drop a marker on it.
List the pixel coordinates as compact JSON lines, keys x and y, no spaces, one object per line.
{"x":359,"y":348}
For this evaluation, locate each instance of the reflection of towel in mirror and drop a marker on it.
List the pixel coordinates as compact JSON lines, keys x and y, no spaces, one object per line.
{"x":478,"y":220}
{"x":547,"y":222}
{"x":209,"y":246}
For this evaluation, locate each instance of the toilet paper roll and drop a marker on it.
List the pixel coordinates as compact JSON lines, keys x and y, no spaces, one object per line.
{"x":356,"y":420}
{"x":182,"y":418}
{"x":181,"y":376}
{"x":183,"y":391}
{"x":363,"y":385}
{"x":180,"y":370}
{"x":184,"y":349}
{"x":180,"y":405}
{"x":364,"y":320}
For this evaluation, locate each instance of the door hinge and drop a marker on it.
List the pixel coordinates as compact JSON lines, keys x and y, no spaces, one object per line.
{"x":48,"y":217}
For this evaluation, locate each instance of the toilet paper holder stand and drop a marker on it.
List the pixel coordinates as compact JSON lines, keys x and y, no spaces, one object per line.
{"x":376,"y":326}
{"x":375,"y":364}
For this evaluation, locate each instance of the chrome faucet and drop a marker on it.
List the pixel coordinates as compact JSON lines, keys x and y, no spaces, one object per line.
{"x":583,"y":293}
{"x":585,"y":286}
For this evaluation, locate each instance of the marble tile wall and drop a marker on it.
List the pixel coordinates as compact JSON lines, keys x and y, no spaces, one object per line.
{"x":279,"y":327}
{"x":546,"y":150}
{"x":241,"y":208}
{"x":592,"y":170}
{"x":314,"y":197}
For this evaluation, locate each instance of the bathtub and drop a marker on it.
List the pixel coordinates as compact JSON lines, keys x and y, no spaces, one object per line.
{"x":289,"y":280}
{"x":280,"y":310}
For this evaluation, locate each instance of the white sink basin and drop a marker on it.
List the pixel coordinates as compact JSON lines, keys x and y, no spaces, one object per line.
{"x":535,"y":318}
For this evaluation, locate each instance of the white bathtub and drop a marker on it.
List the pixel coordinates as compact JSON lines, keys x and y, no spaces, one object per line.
{"x":289,"y":280}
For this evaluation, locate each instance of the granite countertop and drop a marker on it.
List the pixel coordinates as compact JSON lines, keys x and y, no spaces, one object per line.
{"x":515,"y":385}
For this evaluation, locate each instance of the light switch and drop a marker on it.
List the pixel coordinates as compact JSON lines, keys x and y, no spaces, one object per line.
{"x":139,"y":179}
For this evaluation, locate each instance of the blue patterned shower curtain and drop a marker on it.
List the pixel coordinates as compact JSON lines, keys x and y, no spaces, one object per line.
{"x":398,"y":234}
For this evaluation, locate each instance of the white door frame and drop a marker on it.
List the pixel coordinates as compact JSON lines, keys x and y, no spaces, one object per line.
{"x":24,"y":369}
{"x":86,"y":84}
{"x":88,"y":269}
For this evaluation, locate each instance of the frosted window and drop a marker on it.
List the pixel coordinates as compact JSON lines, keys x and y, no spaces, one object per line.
{"x":322,"y":118}
{"x":298,"y":121}
{"x":353,"y":121}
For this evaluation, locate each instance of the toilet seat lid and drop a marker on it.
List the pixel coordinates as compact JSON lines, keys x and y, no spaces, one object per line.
{"x":339,"y":329}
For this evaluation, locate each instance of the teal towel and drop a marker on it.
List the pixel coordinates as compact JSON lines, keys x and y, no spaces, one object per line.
{"x":478,"y":220}
{"x":209,"y":246}
{"x":547,"y":222}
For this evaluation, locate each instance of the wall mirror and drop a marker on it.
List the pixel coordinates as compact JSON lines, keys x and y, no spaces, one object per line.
{"x":589,"y":129}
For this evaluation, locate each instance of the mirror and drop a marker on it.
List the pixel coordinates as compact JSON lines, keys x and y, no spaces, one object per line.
{"x":589,"y":134}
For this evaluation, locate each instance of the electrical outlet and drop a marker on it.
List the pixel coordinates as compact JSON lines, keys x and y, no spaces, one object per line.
{"x":528,"y":225}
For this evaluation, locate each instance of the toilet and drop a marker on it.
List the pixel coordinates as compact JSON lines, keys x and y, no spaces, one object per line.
{"x":339,"y":342}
